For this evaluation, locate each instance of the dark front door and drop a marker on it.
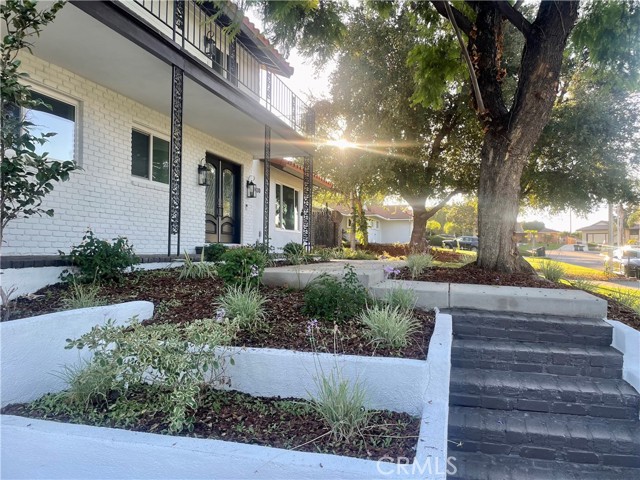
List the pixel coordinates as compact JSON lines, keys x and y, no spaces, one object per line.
{"x":223,"y":201}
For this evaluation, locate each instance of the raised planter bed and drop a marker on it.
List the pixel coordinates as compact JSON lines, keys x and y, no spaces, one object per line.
{"x":64,"y":450}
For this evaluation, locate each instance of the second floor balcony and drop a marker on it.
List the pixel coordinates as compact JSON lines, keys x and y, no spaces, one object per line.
{"x":233,"y":49}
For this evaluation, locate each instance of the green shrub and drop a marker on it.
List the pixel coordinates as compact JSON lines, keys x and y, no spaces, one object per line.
{"x":213,"y":252}
{"x":293,"y":248}
{"x":98,"y":260}
{"x":175,"y":361}
{"x":244,"y":305}
{"x":201,"y":269}
{"x":435,"y":241}
{"x":402,"y":298}
{"x":242,"y":266}
{"x":551,"y":270}
{"x":323,"y":254}
{"x":335,"y":299}
{"x":82,"y":296}
{"x":389,"y":326}
{"x":341,"y":406}
{"x":349,"y":254}
{"x":418,"y":263}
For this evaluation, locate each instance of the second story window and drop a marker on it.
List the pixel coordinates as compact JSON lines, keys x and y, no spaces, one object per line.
{"x":149,"y":157}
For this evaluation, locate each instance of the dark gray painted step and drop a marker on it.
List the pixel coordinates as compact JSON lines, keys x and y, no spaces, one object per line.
{"x":480,"y":466}
{"x":555,"y":358}
{"x":474,"y":324}
{"x":547,"y":436}
{"x":542,"y":392}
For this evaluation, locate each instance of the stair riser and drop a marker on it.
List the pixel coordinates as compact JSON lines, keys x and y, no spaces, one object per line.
{"x":519,"y":366}
{"x":543,"y":401}
{"x":541,"y":446}
{"x":532,"y":331}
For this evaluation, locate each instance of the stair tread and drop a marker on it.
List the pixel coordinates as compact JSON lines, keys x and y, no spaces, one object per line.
{"x":459,"y":314}
{"x":547,"y":424}
{"x":540,"y":381}
{"x":535,"y":347}
{"x":481,"y":466}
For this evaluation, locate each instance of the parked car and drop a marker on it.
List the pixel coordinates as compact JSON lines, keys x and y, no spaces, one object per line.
{"x":625,"y":261}
{"x":463,"y":243}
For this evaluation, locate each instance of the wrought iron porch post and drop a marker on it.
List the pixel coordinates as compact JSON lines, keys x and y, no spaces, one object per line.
{"x":307,"y":203}
{"x":233,"y":62}
{"x":267,"y":184}
{"x":178,"y":20}
{"x":175,"y":167}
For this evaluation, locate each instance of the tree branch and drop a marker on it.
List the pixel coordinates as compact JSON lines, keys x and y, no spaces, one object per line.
{"x":432,"y":211}
{"x":463,"y":22}
{"x":465,"y":53}
{"x":513,"y":16}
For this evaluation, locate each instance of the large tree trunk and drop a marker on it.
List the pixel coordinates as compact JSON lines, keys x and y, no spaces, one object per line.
{"x":418,"y":241}
{"x":512,"y":133}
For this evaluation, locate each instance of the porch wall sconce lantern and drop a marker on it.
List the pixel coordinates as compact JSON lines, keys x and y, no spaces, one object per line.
{"x":203,"y":178}
{"x":209,"y":43}
{"x":251,"y":187}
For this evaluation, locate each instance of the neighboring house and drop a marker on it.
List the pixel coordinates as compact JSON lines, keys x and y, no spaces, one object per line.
{"x":386,"y":224}
{"x":599,"y":233}
{"x":174,"y":126}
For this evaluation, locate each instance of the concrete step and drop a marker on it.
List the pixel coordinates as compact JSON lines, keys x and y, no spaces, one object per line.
{"x":474,"y":324}
{"x":480,"y":466}
{"x":546,"y":436}
{"x":543,"y":392}
{"x":555,"y":358}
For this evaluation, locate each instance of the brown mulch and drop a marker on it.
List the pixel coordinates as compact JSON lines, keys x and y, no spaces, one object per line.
{"x":404,"y":249}
{"x":470,"y":274}
{"x":282,"y":423}
{"x":285,"y":326}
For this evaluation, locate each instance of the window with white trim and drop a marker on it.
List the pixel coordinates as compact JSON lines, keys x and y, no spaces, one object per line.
{"x":53,"y":115}
{"x":287,"y":211}
{"x":149,"y":156}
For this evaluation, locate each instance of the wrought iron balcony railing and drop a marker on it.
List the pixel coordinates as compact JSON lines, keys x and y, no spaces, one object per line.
{"x":193,"y":26}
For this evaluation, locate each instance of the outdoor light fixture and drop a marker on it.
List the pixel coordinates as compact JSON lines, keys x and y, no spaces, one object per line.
{"x":209,"y":43}
{"x":203,"y":178}
{"x":251,"y":187}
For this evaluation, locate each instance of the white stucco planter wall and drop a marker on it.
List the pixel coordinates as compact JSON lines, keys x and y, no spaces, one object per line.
{"x":627,"y":341}
{"x":78,"y":451}
{"x":29,"y":280}
{"x":33,"y":351}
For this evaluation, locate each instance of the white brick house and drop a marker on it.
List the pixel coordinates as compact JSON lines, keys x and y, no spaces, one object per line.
{"x":132,"y":80}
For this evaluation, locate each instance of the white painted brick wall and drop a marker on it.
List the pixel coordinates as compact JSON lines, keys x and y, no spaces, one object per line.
{"x":104,"y":195}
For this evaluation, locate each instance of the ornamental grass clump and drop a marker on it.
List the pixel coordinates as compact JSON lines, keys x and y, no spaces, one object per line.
{"x":244,"y":305}
{"x":402,"y":298}
{"x":82,"y":296}
{"x":201,"y":269}
{"x":388,"y":326}
{"x":340,"y":403}
{"x":552,"y":271}
{"x":418,"y":263}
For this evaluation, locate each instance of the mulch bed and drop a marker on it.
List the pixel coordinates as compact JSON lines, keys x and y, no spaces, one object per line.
{"x":470,"y":274}
{"x":185,"y":300}
{"x":274,"y":422}
{"x":404,"y":249}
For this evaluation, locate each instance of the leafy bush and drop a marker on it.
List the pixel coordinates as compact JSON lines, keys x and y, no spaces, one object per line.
{"x":418,"y":263}
{"x":200,"y":269}
{"x":174,"y":361}
{"x":244,"y":305}
{"x":388,"y":326}
{"x":349,"y":254}
{"x":435,"y":241}
{"x":551,"y":270}
{"x":293,"y":248}
{"x":242,"y":266}
{"x":401,"y":298}
{"x":214,"y":252}
{"x":98,"y":260}
{"x":82,"y":296}
{"x":341,"y":406}
{"x":335,"y":299}
{"x":323,"y":254}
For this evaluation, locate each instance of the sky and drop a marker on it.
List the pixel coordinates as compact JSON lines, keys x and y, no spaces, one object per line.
{"x":308,"y":82}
